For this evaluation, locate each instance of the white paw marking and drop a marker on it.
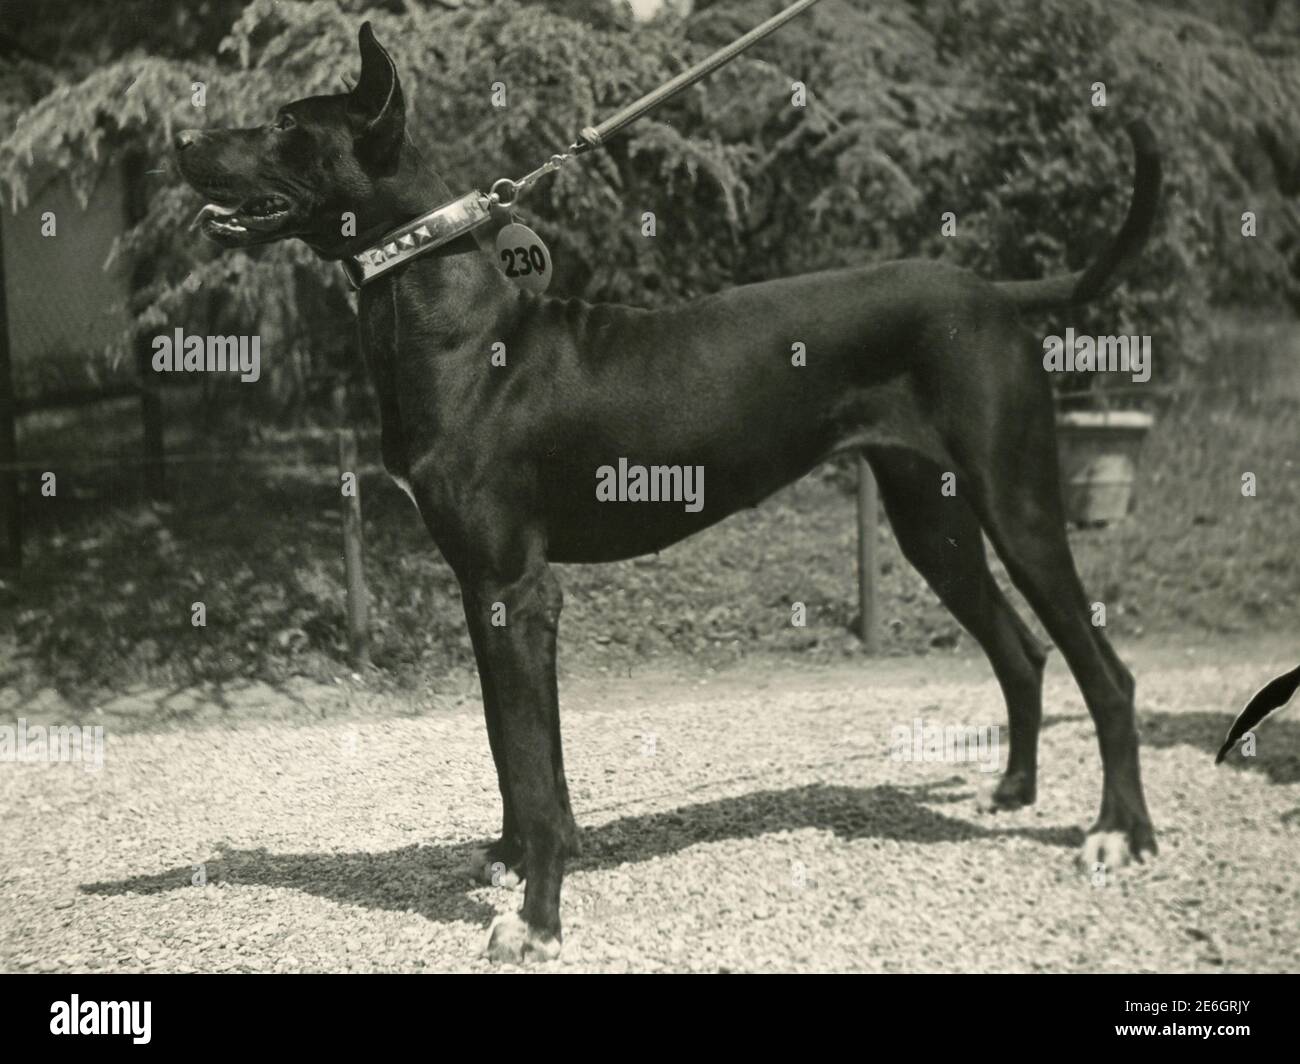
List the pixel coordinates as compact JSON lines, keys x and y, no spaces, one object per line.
{"x":513,"y":941}
{"x":1106,"y":848}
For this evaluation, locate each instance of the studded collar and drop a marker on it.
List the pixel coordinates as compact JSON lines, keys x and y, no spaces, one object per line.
{"x":440,"y":226}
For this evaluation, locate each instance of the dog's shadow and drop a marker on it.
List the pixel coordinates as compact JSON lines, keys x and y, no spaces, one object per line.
{"x":1277,"y":748}
{"x":434,"y":880}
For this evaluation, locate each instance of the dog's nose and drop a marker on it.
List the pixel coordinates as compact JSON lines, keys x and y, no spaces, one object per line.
{"x":186,"y":138}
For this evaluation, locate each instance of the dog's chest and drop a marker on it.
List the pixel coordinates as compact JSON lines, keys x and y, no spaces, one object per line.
{"x":419,"y":403}
{"x":378,"y":333}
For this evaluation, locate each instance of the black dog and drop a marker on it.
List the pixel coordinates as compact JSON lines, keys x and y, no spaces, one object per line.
{"x":921,"y":366}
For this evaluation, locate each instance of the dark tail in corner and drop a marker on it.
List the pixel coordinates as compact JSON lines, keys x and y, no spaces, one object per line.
{"x":1103,"y":274}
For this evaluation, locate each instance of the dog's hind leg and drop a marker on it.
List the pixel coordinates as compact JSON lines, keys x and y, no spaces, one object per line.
{"x":942,"y":539}
{"x":1015,"y":489}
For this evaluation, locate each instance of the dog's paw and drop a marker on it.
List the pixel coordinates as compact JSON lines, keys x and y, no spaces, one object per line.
{"x":1106,"y":850}
{"x":512,"y":941}
{"x":1013,"y":791}
{"x":487,"y":868}
{"x":1111,"y":849}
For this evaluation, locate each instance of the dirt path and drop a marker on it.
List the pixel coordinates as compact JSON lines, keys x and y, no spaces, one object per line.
{"x":754,"y":820}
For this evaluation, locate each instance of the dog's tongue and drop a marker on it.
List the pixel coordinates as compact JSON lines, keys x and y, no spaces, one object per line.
{"x":209,"y":210}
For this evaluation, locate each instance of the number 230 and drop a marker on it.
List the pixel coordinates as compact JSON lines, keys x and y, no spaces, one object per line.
{"x":520,"y":262}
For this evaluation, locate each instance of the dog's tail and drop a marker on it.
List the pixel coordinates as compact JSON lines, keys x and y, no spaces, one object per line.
{"x":1102,"y":275}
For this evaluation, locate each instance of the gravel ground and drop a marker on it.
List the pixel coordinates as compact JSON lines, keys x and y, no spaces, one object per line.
{"x":747,"y":821}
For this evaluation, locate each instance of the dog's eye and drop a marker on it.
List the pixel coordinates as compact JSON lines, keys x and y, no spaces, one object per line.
{"x":284,"y":121}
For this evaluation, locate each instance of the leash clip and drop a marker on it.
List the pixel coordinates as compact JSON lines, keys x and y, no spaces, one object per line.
{"x":513,"y":186}
{"x":501,"y":201}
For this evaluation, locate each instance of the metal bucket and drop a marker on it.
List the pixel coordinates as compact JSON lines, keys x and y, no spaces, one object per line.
{"x":1099,"y":455}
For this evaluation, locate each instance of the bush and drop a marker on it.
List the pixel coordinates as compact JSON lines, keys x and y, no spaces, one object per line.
{"x":980,"y":107}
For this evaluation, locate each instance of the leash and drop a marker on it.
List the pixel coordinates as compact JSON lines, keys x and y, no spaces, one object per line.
{"x":524,"y":255}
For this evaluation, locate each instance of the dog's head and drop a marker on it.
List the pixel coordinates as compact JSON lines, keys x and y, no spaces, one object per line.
{"x":314,"y":160}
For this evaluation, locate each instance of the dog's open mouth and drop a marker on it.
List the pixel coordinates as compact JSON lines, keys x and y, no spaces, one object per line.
{"x":254,"y":214}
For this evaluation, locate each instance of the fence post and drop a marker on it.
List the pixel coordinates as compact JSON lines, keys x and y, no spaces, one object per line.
{"x":358,"y":606}
{"x":11,"y":526}
{"x":868,"y":570}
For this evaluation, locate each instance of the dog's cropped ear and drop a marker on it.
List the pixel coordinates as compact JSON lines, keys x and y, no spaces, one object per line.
{"x":376,"y":105}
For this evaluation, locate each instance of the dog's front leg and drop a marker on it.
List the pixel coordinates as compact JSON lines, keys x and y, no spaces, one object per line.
{"x":502,"y":863}
{"x":516,"y":611}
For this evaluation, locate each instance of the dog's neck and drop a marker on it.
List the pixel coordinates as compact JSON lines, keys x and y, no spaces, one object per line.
{"x":415,"y":190}
{"x":411,"y":190}
{"x":459,"y":271}
{"x":457,"y":283}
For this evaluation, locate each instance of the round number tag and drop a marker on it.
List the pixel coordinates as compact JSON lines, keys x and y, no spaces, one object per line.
{"x":523,"y":257}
